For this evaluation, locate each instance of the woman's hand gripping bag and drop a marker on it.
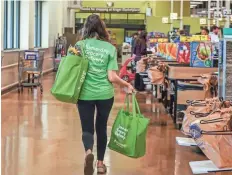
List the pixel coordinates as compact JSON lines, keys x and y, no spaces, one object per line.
{"x":214,"y":138}
{"x":128,"y":135}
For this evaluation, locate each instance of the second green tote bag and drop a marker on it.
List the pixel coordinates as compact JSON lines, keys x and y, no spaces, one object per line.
{"x":70,"y":76}
{"x":128,"y":135}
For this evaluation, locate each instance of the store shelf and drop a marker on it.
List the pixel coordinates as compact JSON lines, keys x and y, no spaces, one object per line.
{"x":206,"y":166}
{"x":182,"y":141}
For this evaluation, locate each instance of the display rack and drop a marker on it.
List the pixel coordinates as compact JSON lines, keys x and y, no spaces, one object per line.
{"x":60,"y":51}
{"x":183,"y":141}
{"x":200,"y":167}
{"x":206,"y":166}
{"x":225,"y":70}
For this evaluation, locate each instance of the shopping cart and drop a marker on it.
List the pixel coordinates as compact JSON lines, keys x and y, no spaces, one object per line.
{"x":30,"y":63}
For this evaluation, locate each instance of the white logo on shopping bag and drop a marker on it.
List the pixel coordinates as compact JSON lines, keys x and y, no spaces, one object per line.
{"x":196,"y":133}
{"x":120,"y":144}
{"x":121,"y":132}
{"x":83,"y":77}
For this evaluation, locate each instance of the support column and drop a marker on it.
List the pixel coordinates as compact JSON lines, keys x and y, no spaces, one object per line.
{"x":72,"y":19}
{"x":2,"y":25}
{"x":172,"y":7}
{"x":218,"y":8}
{"x":27,"y":25}
{"x":227,"y":25}
{"x":45,"y":24}
{"x":209,"y":15}
{"x":68,"y":17}
{"x":181,"y":14}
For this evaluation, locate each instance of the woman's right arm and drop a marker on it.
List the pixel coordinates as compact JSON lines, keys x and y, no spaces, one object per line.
{"x":114,"y":78}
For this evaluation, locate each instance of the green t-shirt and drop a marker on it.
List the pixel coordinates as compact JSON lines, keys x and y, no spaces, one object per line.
{"x":102,"y":57}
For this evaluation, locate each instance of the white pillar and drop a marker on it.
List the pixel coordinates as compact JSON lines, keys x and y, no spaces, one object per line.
{"x":218,"y":8}
{"x":64,"y":14}
{"x":68,"y":17}
{"x":2,"y":25}
{"x":172,"y":7}
{"x":181,"y":14}
{"x":45,"y":24}
{"x":60,"y":14}
{"x":209,"y":15}
{"x":227,"y":25}
{"x":72,"y":19}
{"x":27,"y":24}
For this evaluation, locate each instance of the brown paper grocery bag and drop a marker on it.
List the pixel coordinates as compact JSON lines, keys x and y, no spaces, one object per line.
{"x":214,"y":138}
{"x":190,"y":116}
{"x":198,"y":109}
{"x":210,"y":82}
{"x":140,"y":66}
{"x":156,"y":76}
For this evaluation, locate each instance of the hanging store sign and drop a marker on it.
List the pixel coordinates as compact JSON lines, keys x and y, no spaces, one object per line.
{"x":202,"y":21}
{"x":165,"y":20}
{"x":194,"y":38}
{"x":214,"y":22}
{"x":217,"y":14}
{"x":158,"y":40}
{"x":226,"y":12}
{"x":93,"y":9}
{"x":173,"y":15}
{"x":213,"y":4}
{"x":200,"y":38}
{"x":185,"y":38}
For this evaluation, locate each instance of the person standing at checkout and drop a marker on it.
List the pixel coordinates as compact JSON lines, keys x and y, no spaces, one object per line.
{"x":204,"y":31}
{"x":140,"y":48}
{"x":139,"y":51}
{"x":214,"y":37}
{"x":133,"y":42}
{"x":214,"y":34}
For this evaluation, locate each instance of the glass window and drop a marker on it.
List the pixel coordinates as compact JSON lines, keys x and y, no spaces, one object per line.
{"x":11,"y":24}
{"x":118,"y":18}
{"x":105,"y":17}
{"x":38,"y":23}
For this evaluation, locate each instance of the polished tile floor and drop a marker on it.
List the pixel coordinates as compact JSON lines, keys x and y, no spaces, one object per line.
{"x":41,"y":136}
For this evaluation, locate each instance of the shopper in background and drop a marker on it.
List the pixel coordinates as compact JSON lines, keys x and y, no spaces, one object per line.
{"x":133,"y":42}
{"x":179,"y":33}
{"x":97,"y":91}
{"x":204,"y":31}
{"x":140,"y":48}
{"x":214,"y":34}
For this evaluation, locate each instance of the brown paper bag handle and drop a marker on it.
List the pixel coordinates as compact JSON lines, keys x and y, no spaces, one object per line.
{"x":216,"y":132}
{"x":196,"y":102}
{"x":199,"y":115}
{"x":211,"y":121}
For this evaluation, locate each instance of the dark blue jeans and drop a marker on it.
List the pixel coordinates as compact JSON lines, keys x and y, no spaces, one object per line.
{"x":87,"y":110}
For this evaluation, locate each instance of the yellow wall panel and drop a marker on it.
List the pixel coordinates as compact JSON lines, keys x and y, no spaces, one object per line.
{"x":155,"y":24}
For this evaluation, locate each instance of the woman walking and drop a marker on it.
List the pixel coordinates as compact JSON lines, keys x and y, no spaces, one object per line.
{"x":140,"y":50}
{"x":97,"y":91}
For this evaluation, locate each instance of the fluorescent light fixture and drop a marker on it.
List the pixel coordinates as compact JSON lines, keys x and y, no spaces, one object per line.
{"x":109,"y":4}
{"x":195,"y":3}
{"x":192,"y":6}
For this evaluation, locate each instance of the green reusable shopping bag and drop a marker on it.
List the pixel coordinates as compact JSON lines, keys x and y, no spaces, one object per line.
{"x":128,"y":135}
{"x":70,"y":77}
